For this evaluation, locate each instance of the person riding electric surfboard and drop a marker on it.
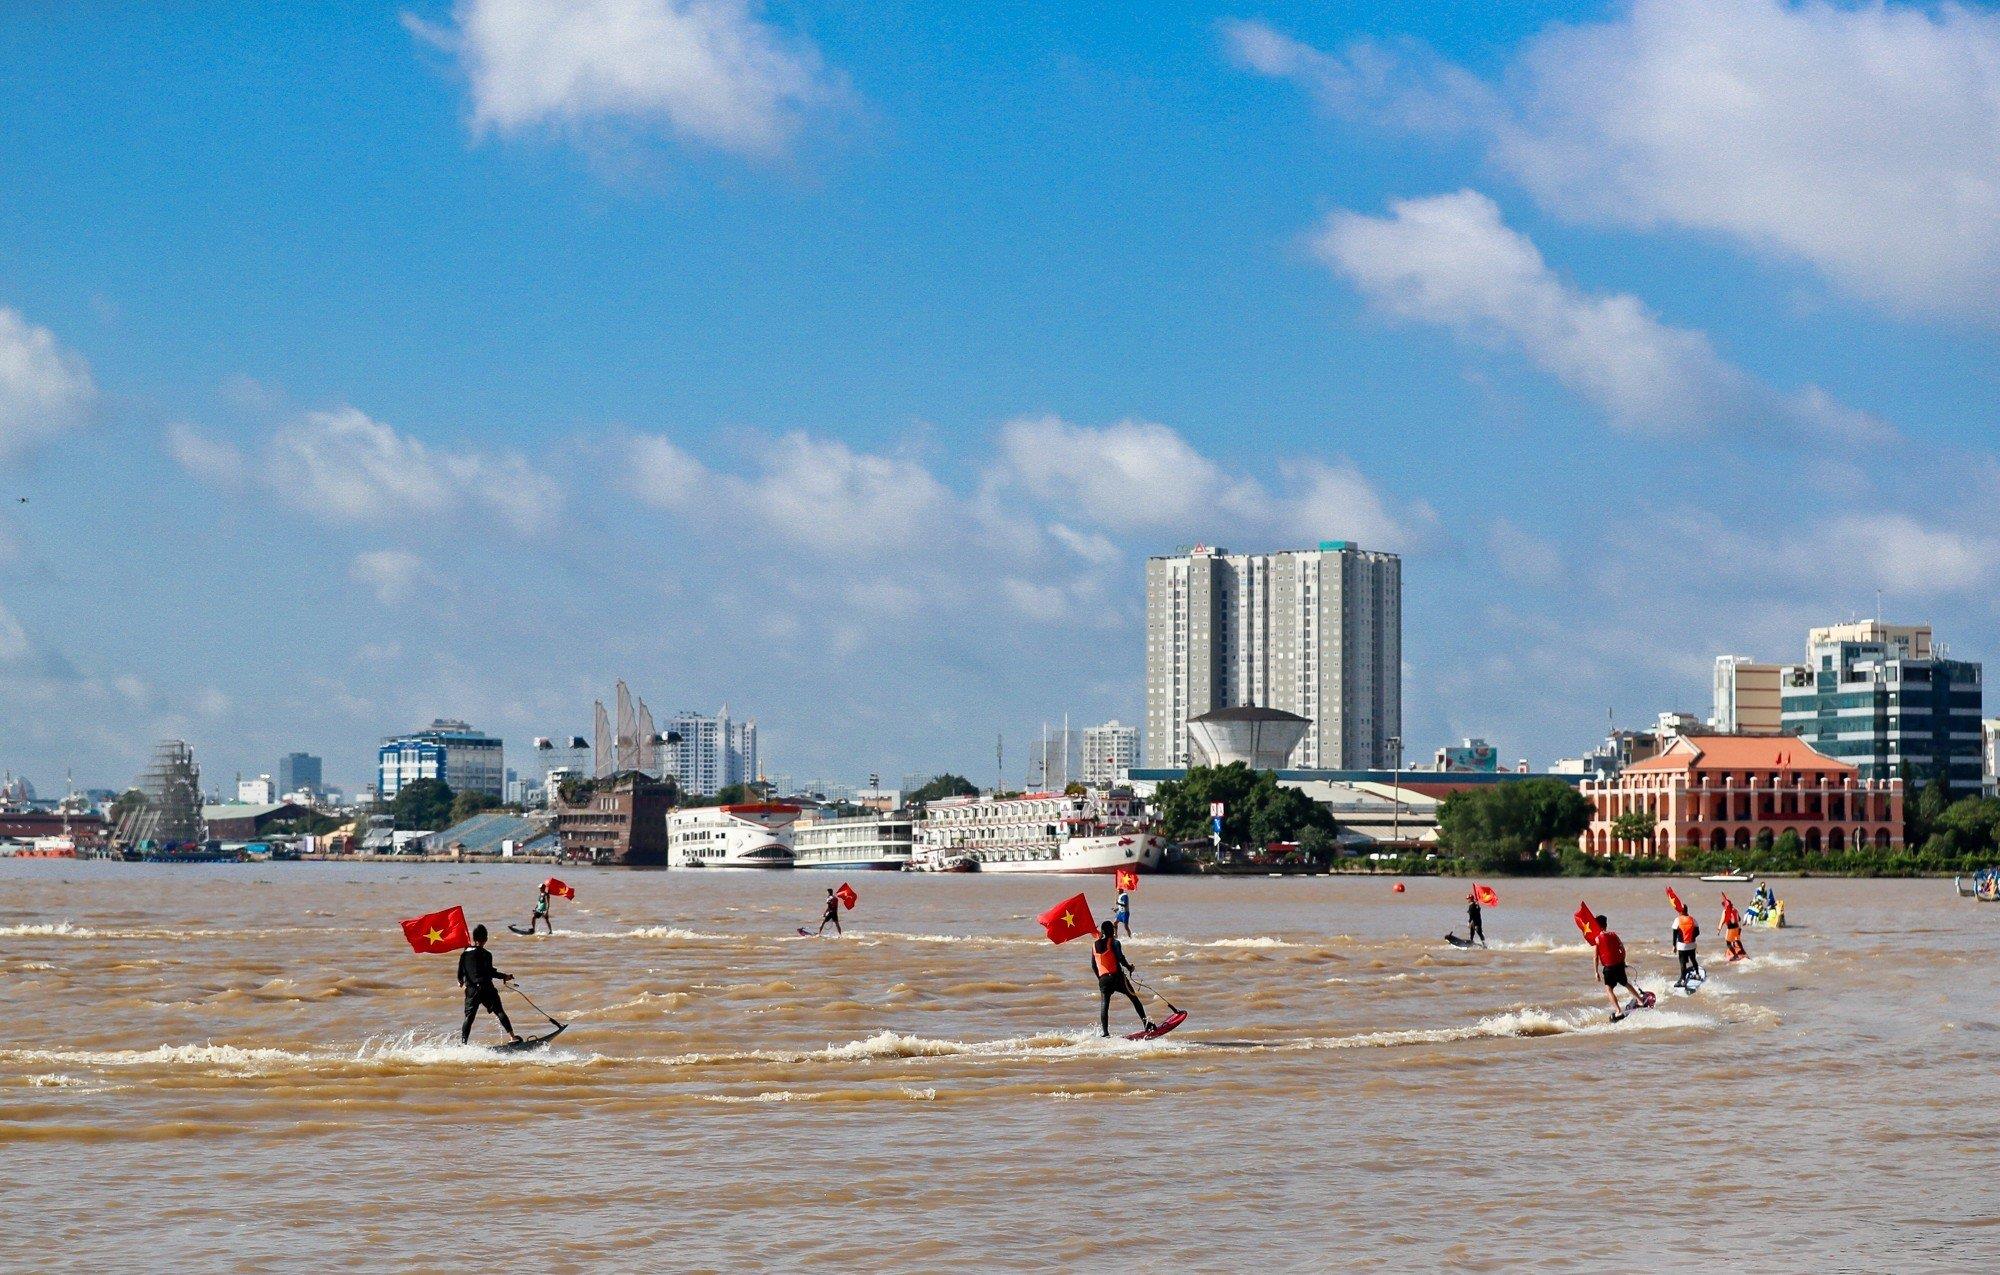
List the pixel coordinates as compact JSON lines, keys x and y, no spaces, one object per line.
{"x":1123,"y":916}
{"x":1475,"y":926}
{"x":1684,"y":934}
{"x":478,"y":977}
{"x":1610,"y":952}
{"x":1732,"y":930}
{"x":831,"y":916}
{"x":542,"y":910}
{"x":1108,"y":962}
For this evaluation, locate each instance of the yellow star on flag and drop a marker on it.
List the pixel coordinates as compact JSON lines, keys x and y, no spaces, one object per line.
{"x":1069,"y":920}
{"x":434,"y":936}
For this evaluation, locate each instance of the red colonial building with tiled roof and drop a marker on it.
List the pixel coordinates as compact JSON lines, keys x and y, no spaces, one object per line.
{"x":1733,"y":792}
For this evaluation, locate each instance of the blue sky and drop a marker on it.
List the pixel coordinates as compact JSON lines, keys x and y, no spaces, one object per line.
{"x":842,"y":363}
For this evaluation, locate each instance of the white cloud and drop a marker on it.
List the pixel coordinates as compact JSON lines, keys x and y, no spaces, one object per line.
{"x":1127,"y":475}
{"x":210,"y":459}
{"x":707,"y":71}
{"x":393,"y":574}
{"x":1861,"y":139}
{"x":814,"y":492}
{"x":1138,"y":476}
{"x":1452,"y":260}
{"x":1524,"y":556}
{"x":1337,"y":501}
{"x":45,"y":390}
{"x":13,"y":638}
{"x":342,"y":465}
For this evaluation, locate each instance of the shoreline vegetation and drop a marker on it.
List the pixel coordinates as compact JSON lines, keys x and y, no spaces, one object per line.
{"x":1531,"y":828}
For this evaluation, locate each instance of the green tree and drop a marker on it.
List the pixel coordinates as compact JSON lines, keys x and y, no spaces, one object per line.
{"x":1320,"y":846}
{"x":422,"y":805}
{"x":945,"y":785}
{"x":127,"y":802}
{"x":1920,"y":817}
{"x":1501,"y":826}
{"x":1634,"y":825}
{"x":468,"y":803}
{"x":1257,"y":809}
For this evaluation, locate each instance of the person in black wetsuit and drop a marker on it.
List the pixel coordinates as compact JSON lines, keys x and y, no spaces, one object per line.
{"x":1107,"y":960}
{"x":1475,"y":927}
{"x":832,"y":914}
{"x":477,"y":976}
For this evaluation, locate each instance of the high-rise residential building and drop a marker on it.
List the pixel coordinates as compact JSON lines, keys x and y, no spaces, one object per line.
{"x":1748,"y":696}
{"x":297,"y":771}
{"x":1989,"y":752}
{"x":257,"y":792}
{"x":711,"y":753}
{"x":1880,"y":697}
{"x":467,"y":760}
{"x":1109,"y":752}
{"x":1316,"y":632}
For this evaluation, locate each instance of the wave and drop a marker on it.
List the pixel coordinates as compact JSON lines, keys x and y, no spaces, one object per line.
{"x":1527,"y":1023}
{"x":204,"y":1055}
{"x":432,"y":1048}
{"x":1541,"y":943}
{"x":1168,"y":940}
{"x":71,"y":930}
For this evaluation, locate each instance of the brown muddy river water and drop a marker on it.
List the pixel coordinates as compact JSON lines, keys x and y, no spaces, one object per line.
{"x":245,"y":1067}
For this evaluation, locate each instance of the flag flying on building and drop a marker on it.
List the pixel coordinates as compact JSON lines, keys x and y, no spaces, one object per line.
{"x":1128,"y":878}
{"x":556,"y":887}
{"x":1068,"y":920}
{"x":1485,"y":896}
{"x":1675,"y":899}
{"x":847,"y":896}
{"x":438,"y":931}
{"x":1586,"y":920}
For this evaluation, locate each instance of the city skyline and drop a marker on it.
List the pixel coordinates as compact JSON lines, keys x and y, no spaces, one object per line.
{"x":373,"y":379}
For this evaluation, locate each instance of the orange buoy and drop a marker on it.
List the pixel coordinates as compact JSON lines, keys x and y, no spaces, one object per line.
{"x":1399,"y":887}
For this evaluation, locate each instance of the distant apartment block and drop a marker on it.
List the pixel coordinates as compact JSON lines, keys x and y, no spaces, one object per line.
{"x":711,"y":753}
{"x":257,"y":792}
{"x":1316,"y":632}
{"x":1109,"y":752}
{"x":1748,"y":696}
{"x":465,"y":759}
{"x":1880,"y":697}
{"x":298,"y":771}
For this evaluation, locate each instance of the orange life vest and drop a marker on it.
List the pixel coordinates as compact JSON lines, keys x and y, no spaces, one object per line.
{"x":1106,"y":956}
{"x":1686,"y":926}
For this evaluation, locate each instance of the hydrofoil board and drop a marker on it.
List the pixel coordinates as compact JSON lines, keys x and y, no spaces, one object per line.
{"x":1162,"y":1027}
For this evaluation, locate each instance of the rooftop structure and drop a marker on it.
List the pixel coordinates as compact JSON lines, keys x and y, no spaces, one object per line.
{"x":1260,"y":738}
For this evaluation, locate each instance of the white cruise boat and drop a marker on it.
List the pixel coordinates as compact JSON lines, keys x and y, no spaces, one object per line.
{"x":749,"y":835}
{"x":1038,"y":832}
{"x":860,"y":843}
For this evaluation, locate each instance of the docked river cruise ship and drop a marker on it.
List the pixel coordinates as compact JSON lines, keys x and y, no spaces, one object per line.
{"x":1038,"y":832}
{"x":859,"y":843}
{"x":751,"y":835}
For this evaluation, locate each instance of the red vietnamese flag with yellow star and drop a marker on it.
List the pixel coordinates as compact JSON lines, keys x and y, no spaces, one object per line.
{"x":438,"y":931}
{"x":1127,"y":878}
{"x":1068,"y":920}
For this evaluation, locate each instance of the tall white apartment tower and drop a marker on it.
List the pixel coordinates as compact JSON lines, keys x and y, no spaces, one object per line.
{"x":1108,"y":752}
{"x":1317,"y":632}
